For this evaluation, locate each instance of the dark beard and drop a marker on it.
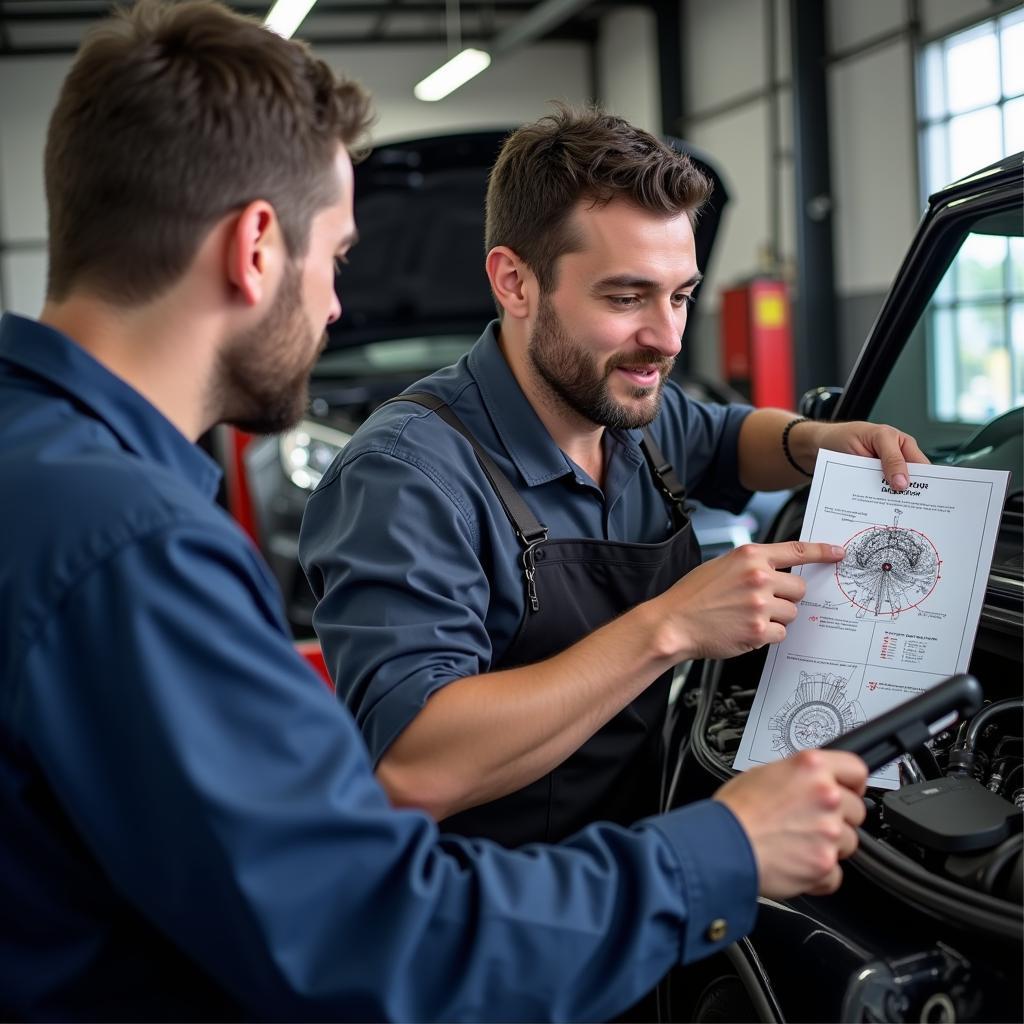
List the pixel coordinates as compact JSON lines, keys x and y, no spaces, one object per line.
{"x":569,"y":372}
{"x":261,"y":387}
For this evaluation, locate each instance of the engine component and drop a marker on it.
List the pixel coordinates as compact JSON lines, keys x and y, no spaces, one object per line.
{"x":951,"y":815}
{"x":928,"y":986}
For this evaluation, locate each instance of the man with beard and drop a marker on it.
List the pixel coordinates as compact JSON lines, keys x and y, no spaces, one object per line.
{"x":506,"y":635}
{"x":192,"y":829}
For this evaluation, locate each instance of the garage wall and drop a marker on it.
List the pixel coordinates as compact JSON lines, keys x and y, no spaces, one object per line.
{"x":511,"y":91}
{"x":733,"y":111}
{"x":736,"y":109}
{"x":740,"y":113}
{"x":874,"y":168}
{"x":627,"y":66}
{"x":28,"y":92}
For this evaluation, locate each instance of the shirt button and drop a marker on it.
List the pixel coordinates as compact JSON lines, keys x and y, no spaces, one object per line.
{"x":716,"y":930}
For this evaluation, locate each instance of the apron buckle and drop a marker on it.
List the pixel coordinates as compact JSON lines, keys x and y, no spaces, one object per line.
{"x":530,"y":570}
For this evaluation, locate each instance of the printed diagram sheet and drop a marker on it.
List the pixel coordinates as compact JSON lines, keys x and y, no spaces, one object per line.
{"x":895,"y":617}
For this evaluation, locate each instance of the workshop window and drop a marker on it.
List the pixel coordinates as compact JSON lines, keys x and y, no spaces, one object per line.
{"x":972,"y":114}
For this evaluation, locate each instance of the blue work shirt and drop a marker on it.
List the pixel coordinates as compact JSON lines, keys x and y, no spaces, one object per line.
{"x":412,"y":558}
{"x":191,"y":828}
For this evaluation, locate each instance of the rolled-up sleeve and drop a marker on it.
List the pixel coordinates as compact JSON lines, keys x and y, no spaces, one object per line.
{"x":391,"y":553}
{"x":248,"y":828}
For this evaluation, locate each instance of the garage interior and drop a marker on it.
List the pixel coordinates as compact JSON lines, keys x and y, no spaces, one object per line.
{"x":721,"y":74}
{"x":831,"y":123}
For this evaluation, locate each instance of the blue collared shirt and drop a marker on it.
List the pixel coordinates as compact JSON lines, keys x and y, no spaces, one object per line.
{"x":191,"y":828}
{"x":432,"y":591}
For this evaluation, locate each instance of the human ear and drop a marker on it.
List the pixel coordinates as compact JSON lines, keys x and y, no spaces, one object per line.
{"x":254,"y":252}
{"x":511,"y":281}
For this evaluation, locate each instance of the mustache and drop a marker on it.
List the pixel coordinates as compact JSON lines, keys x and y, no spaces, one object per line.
{"x":640,"y":360}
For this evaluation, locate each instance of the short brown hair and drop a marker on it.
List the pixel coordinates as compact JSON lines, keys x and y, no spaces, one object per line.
{"x":172,"y":116}
{"x":544,"y":169}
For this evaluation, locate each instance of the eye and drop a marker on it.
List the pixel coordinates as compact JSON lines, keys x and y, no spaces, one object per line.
{"x":624,"y":301}
{"x":339,"y":262}
{"x":682,"y":299}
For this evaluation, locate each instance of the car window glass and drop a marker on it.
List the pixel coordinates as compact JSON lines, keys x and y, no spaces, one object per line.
{"x":963,"y":365}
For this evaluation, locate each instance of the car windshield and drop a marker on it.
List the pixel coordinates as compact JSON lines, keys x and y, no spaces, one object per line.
{"x":963,"y":365}
{"x":395,"y":355}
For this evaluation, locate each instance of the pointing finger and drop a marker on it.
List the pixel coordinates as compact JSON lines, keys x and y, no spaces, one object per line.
{"x":795,"y":552}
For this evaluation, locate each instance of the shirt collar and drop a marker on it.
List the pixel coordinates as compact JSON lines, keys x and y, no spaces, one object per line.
{"x":521,"y":430}
{"x":139,"y":426}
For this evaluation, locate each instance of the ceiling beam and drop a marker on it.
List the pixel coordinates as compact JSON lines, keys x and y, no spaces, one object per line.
{"x":574,"y":34}
{"x":553,"y":19}
{"x":353,"y":9}
{"x":538,"y":22}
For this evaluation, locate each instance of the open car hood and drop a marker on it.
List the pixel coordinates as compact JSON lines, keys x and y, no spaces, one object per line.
{"x":419,"y":267}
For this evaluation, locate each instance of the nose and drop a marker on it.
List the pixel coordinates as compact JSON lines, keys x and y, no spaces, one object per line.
{"x":335,"y":310}
{"x":663,"y":328}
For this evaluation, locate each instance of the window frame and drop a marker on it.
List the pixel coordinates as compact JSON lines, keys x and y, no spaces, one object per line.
{"x":935,"y":52}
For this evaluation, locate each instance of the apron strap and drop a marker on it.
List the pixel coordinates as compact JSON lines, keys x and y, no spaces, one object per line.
{"x":665,"y":476}
{"x":529,"y":529}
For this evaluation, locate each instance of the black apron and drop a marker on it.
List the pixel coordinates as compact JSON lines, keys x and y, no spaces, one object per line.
{"x":574,"y":587}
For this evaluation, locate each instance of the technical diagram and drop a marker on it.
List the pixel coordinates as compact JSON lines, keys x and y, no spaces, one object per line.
{"x":818,"y":712}
{"x":896,"y":616}
{"x":888,"y":570}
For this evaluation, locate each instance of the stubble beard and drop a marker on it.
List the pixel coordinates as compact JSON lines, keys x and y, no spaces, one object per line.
{"x":262,"y":385}
{"x":569,"y":375}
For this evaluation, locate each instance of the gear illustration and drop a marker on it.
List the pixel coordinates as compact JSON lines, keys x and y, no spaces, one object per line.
{"x":888,"y":570}
{"x":817,"y":713}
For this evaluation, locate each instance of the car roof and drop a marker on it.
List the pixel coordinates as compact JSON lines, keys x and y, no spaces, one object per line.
{"x":996,"y":173}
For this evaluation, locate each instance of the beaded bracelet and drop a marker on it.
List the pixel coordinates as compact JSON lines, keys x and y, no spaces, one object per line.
{"x":785,"y":445}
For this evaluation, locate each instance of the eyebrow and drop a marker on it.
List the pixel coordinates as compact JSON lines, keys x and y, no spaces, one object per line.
{"x":641,"y":283}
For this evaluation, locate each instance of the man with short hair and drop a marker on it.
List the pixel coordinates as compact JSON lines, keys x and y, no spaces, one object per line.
{"x":506,"y":635}
{"x":192,"y":829}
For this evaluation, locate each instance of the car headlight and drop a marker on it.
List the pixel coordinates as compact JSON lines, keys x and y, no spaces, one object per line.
{"x":307,"y":450}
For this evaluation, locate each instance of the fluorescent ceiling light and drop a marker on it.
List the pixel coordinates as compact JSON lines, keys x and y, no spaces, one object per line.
{"x":287,"y":15}
{"x":448,"y":77}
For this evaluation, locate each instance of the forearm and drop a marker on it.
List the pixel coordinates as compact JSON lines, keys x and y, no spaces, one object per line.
{"x":762,"y":460}
{"x":485,"y":736}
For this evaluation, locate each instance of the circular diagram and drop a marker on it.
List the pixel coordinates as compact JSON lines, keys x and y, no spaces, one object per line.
{"x":817,"y":712}
{"x":888,"y":570}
